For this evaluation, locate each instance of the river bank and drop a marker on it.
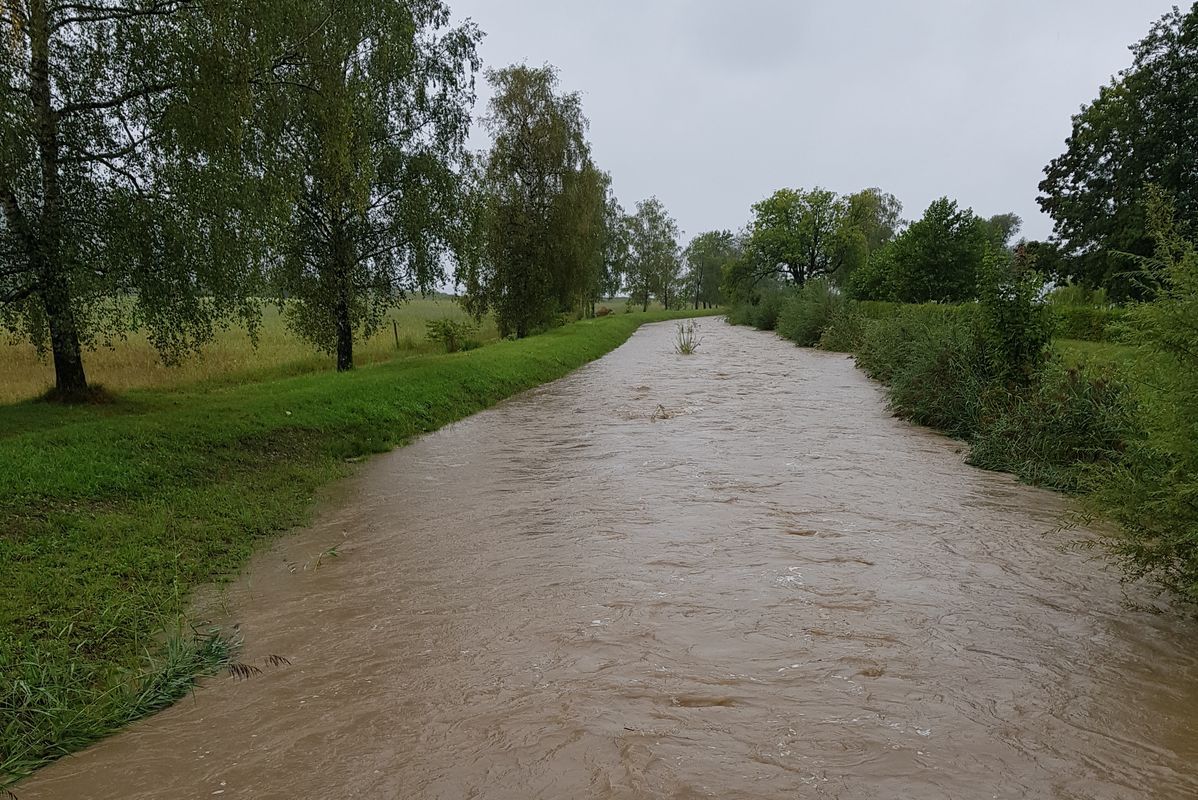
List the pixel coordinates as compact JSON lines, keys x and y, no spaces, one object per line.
{"x":733,"y":574}
{"x":111,"y":514}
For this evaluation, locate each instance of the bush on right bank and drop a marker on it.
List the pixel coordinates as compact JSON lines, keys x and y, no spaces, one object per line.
{"x":1125,"y":436}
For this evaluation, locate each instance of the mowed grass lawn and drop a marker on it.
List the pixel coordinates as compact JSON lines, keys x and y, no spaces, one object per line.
{"x":231,"y":357}
{"x":111,"y":514}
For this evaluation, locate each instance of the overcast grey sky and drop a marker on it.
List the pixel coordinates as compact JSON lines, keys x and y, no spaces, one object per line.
{"x":713,"y":104}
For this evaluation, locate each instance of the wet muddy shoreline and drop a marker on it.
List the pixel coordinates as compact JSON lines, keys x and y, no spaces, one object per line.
{"x":728,"y":575}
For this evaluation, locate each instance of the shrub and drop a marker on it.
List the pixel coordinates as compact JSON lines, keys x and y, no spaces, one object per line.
{"x":1055,"y":431}
{"x":761,"y":312}
{"x":845,"y":329}
{"x":806,"y":313}
{"x":454,"y":335}
{"x":1014,"y":328}
{"x":1076,"y":295}
{"x":1152,"y":492}
{"x":888,"y":342}
{"x":933,"y":365}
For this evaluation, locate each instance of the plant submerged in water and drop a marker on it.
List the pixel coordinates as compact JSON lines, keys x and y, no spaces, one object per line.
{"x":686,"y":337}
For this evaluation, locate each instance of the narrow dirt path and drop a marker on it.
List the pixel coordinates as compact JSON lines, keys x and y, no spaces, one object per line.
{"x":731,"y":575}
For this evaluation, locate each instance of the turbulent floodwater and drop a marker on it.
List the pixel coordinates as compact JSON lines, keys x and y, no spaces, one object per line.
{"x":730,"y":575}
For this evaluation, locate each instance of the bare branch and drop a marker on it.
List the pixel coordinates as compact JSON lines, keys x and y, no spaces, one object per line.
{"x":83,"y":13}
{"x":118,"y":100}
{"x":85,"y":157}
{"x":18,"y":294}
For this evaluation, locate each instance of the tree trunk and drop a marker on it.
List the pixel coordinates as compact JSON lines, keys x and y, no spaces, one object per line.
{"x":345,"y":340}
{"x":344,"y":329}
{"x":343,"y":277}
{"x":70,"y":381}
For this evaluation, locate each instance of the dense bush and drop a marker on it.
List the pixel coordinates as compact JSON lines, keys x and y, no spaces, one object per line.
{"x":844,"y":330}
{"x":932,"y":360}
{"x":1058,"y":428}
{"x":1014,"y":329}
{"x":453,"y":335}
{"x":807,"y":312}
{"x":1152,"y":492}
{"x":761,"y":311}
{"x":1091,"y":323}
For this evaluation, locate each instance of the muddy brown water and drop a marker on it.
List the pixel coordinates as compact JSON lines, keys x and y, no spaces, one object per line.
{"x":730,"y":575}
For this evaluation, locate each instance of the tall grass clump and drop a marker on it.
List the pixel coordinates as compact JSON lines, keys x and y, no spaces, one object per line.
{"x":1152,"y":491}
{"x":933,"y":366}
{"x":806,"y":313}
{"x":687,"y":338}
{"x":47,"y":711}
{"x":1057,"y":430}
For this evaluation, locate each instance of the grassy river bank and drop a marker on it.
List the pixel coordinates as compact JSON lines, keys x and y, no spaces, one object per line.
{"x":110,"y":514}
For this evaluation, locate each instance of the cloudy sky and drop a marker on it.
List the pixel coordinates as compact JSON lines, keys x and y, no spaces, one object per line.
{"x":713,"y":104}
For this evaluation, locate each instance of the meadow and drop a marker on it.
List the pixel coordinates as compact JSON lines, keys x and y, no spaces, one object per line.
{"x":232,"y":357}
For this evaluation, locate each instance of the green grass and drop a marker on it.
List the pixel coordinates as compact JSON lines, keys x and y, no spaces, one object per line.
{"x":111,"y":514}
{"x":1076,"y":352}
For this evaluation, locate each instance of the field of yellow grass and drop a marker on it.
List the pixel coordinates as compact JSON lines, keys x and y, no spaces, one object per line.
{"x":230,"y":357}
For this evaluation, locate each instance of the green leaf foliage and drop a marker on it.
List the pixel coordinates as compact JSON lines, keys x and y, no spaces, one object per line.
{"x":654,"y":261}
{"x":938,"y":258}
{"x":127,"y":194}
{"x":707,"y":257}
{"x":543,"y":214}
{"x":1140,"y":130}
{"x":376,"y":98}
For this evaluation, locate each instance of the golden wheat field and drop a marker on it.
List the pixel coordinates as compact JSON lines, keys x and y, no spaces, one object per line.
{"x":230,"y":357}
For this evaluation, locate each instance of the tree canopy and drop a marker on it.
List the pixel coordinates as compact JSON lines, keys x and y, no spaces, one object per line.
{"x":707,"y":257}
{"x":795,"y":235}
{"x":378,"y":113}
{"x":937,"y":258}
{"x":124,"y":198}
{"x":1139,"y":131}
{"x":654,"y":260}
{"x":543,"y":205}
{"x":872,"y":220}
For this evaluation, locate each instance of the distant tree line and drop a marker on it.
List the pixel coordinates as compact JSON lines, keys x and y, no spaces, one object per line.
{"x":861,"y":244}
{"x":170,"y":167}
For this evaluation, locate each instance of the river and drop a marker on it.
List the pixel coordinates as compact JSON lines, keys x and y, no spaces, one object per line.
{"x":726,"y":575}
